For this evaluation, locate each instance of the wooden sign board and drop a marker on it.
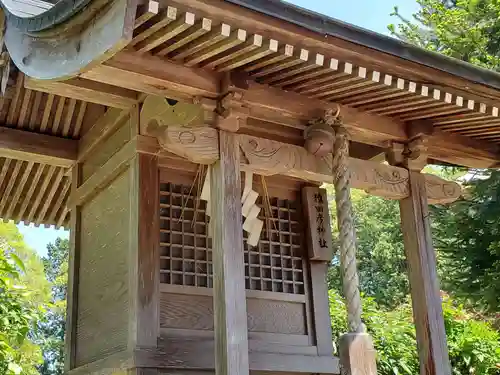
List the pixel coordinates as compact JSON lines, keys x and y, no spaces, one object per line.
{"x":319,"y":232}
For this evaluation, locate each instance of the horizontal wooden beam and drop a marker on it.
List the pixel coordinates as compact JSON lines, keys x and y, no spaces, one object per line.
{"x":39,"y":148}
{"x":267,"y":157}
{"x":153,"y":75}
{"x":182,"y":353}
{"x":81,"y":89}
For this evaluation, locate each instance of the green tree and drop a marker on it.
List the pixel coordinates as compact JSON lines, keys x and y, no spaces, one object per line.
{"x":468,"y":30}
{"x":466,"y":234}
{"x":380,"y":251}
{"x":53,"y":327}
{"x":21,"y":303}
{"x":467,"y":237}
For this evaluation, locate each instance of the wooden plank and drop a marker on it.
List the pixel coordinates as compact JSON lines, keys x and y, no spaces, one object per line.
{"x":320,"y":307}
{"x":319,"y":234}
{"x":230,"y":314}
{"x":111,"y":365}
{"x":105,"y":126}
{"x":73,"y":276}
{"x":40,"y":148}
{"x":180,"y":354}
{"x":144,"y":252}
{"x":80,"y":89}
{"x":424,"y":284}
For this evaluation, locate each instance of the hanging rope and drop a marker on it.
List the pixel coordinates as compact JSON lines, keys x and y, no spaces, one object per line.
{"x":347,"y":234}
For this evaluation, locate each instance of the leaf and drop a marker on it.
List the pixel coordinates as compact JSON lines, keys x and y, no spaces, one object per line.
{"x":14,"y":368}
{"x":18,"y":262}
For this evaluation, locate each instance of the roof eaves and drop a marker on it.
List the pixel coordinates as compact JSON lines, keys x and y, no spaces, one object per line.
{"x":325,"y":25}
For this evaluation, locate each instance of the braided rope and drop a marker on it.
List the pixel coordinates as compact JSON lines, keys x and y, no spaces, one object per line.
{"x":347,"y":234}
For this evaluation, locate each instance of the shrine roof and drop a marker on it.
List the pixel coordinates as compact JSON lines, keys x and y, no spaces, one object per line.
{"x":295,"y":64}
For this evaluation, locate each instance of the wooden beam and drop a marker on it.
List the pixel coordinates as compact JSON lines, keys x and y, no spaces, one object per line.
{"x":230,"y":313}
{"x":177,"y":353}
{"x":157,"y":76}
{"x":81,"y":89}
{"x":424,"y":284}
{"x":39,"y":148}
{"x":266,"y":157}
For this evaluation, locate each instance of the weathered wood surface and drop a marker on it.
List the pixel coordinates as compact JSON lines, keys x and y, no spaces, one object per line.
{"x":80,"y":89}
{"x":144,"y":252}
{"x":90,"y":37}
{"x":196,"y":354}
{"x":196,"y":313}
{"x":267,"y":157}
{"x":230,"y":312}
{"x":103,"y":300}
{"x":357,"y":354}
{"x":40,"y":148}
{"x":317,"y":215}
{"x":320,"y":308}
{"x":424,"y":283}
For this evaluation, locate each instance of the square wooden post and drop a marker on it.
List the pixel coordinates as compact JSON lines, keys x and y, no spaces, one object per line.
{"x":230,"y":314}
{"x":424,"y":283}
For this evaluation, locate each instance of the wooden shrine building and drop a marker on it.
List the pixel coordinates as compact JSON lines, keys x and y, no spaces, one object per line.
{"x":184,"y":143}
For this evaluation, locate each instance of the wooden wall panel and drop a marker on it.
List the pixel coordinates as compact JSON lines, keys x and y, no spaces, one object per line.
{"x":195,"y":312}
{"x":103,"y":276}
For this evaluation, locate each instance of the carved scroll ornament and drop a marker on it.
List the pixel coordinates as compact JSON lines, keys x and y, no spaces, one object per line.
{"x":267,"y":157}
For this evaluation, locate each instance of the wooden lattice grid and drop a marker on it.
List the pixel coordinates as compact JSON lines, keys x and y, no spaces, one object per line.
{"x":276,"y":264}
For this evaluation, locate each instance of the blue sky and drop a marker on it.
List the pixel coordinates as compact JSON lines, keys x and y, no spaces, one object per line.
{"x":370,"y":14}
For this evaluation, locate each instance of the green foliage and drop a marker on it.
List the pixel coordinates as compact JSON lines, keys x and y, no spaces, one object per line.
{"x":468,"y":30}
{"x":380,"y":251}
{"x":474,"y":345}
{"x":53,"y":327}
{"x":20,"y":304}
{"x":467,"y":237}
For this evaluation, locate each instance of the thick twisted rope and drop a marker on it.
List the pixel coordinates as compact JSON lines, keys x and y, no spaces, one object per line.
{"x":347,"y":234}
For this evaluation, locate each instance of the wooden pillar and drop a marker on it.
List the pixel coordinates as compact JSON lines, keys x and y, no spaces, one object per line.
{"x":231,"y":337}
{"x":144,"y":252}
{"x":422,"y":272}
{"x":73,"y":267}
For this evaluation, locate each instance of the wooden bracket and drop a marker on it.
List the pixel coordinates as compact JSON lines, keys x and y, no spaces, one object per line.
{"x":412,"y":155}
{"x":230,"y":110}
